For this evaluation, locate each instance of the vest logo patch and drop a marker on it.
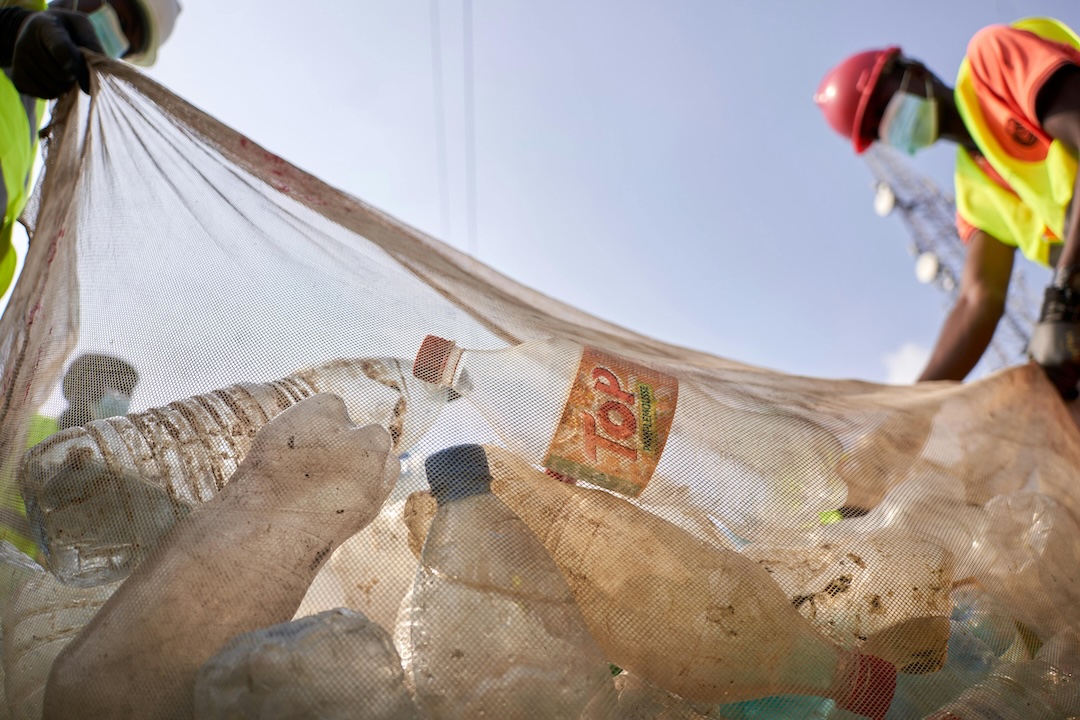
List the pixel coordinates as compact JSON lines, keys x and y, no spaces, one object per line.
{"x":1020,"y":133}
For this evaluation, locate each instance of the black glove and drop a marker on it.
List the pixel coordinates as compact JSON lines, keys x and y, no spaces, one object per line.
{"x":1055,"y":342}
{"x":47,"y":58}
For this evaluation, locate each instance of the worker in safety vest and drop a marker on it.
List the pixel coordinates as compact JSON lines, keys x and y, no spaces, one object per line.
{"x":41,"y":56}
{"x":40,"y":53}
{"x":1015,"y":117}
{"x":96,"y":386}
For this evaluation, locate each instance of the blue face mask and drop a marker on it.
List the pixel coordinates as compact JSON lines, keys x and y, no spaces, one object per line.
{"x":111,"y":404}
{"x":910,"y":122}
{"x":107,"y":26}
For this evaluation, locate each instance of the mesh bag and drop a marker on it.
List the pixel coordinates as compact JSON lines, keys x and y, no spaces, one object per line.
{"x":559,"y":518}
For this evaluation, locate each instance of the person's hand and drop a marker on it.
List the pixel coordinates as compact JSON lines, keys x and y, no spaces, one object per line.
{"x":48,"y":58}
{"x":1055,"y":342}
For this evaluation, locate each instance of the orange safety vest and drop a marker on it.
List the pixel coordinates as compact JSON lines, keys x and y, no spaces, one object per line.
{"x":1030,"y":213}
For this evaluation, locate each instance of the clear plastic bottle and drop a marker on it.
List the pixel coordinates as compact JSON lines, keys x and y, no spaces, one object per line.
{"x":243,"y":561}
{"x":370,"y":572}
{"x":336,"y":665}
{"x":100,"y":495}
{"x":969,"y":661}
{"x":704,"y":623}
{"x":616,"y":423}
{"x":988,"y":619}
{"x":39,"y":619}
{"x":779,"y":707}
{"x":874,"y":582}
{"x":495,"y":630}
{"x":1044,"y":688}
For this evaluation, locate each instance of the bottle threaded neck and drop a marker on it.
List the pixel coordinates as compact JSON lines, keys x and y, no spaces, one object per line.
{"x":436,"y":361}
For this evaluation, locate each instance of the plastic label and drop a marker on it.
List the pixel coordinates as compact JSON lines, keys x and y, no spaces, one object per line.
{"x":615,"y":423}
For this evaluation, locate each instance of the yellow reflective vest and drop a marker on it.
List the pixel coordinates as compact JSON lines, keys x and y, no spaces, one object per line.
{"x":1030,"y":216}
{"x":20,"y":116}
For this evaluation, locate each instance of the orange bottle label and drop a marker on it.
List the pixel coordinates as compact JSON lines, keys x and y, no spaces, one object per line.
{"x":615,"y":423}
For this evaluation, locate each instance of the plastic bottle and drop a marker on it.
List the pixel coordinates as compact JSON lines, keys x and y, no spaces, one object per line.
{"x":615,"y":423}
{"x":242,"y":561}
{"x":934,"y":507}
{"x":336,"y":665}
{"x":704,"y":623}
{"x":99,"y":496}
{"x":882,"y":580}
{"x":969,"y":661}
{"x":1045,"y":688}
{"x":780,"y":707}
{"x":1010,"y":544}
{"x":370,"y":572}
{"x":988,"y":619}
{"x":495,"y":631}
{"x":888,"y":584}
{"x":39,"y":618}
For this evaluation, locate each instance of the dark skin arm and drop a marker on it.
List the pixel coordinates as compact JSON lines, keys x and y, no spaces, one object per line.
{"x":970,"y":325}
{"x":1058,"y":109}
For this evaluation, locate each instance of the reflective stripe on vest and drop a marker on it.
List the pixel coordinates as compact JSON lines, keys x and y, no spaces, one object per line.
{"x":1032,"y":216}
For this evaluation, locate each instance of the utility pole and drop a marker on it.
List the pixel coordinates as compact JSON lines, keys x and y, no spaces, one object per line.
{"x":930,"y":217}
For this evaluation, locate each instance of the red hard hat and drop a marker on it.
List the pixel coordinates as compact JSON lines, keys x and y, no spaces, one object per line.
{"x":845,"y":91}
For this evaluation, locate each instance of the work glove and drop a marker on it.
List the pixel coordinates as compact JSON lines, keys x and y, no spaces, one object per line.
{"x":47,"y":58}
{"x":1055,"y":342}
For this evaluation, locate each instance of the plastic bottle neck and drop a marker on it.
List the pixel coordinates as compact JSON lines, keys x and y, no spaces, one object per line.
{"x":864,"y":685}
{"x":449,"y":371}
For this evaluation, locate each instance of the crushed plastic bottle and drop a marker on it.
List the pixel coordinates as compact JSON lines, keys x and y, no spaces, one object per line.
{"x":969,"y":662}
{"x":1031,"y":541}
{"x":1011,"y":543}
{"x":988,"y":619}
{"x":369,"y":573}
{"x":100,"y":496}
{"x":1044,"y":688}
{"x":242,"y":561}
{"x":704,"y":623}
{"x":618,"y":424}
{"x":336,"y":665}
{"x":39,"y":619}
{"x":495,"y":631}
{"x":884,"y":579}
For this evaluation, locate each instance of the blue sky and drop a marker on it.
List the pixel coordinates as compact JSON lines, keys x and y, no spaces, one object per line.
{"x":661,"y":165}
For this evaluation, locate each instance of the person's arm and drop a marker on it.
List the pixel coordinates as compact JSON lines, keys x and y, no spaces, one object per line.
{"x":1055,"y":341}
{"x":970,"y":325}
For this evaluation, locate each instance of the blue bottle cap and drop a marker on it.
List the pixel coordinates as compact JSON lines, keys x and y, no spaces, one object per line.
{"x":458,"y":472}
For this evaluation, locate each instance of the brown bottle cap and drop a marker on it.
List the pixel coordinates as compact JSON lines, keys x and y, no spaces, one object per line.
{"x":431,"y":359}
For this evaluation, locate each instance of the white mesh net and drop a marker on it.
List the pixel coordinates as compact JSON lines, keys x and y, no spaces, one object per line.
{"x":738,"y":542}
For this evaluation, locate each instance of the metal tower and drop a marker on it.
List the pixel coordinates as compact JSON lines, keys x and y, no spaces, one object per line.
{"x":930,"y":216}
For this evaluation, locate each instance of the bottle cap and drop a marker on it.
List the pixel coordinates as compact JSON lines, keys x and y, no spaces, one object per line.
{"x":458,"y":472}
{"x":431,"y":359}
{"x":870,"y":686}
